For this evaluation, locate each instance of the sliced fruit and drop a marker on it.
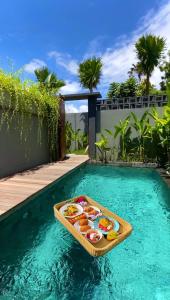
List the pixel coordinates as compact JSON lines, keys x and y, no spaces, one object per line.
{"x":112,"y":235}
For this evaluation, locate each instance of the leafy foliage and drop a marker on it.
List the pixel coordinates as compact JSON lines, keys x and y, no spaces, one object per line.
{"x":142,"y":128}
{"x":152,"y":142}
{"x":136,"y":69}
{"x":48,"y":80}
{"x":26,"y":99}
{"x":75,"y":136}
{"x":114,"y":90}
{"x":90,"y":73}
{"x":103,"y":147}
{"x":124,"y":131}
{"x":162,"y":129}
{"x":165,"y":67}
{"x":125,"y":89}
{"x":149,"y":50}
{"x":168,"y":91}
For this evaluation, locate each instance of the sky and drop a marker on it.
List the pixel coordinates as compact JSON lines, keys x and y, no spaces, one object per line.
{"x":62,"y":33}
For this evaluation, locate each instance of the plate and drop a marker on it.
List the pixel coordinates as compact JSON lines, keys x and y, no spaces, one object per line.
{"x":115,"y":227}
{"x":95,"y":208}
{"x":79,"y":210}
{"x":77,"y":226}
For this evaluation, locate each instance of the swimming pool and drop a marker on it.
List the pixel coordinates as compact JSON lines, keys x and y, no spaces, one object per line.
{"x":41,"y":260}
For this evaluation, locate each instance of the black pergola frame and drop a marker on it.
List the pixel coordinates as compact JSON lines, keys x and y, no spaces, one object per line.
{"x":92,"y":98}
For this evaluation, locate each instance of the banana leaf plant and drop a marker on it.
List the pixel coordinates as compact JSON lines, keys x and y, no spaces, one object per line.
{"x":83,"y":140}
{"x":68,"y":135}
{"x":76,"y":137}
{"x":124,"y":131}
{"x":113,"y":147}
{"x":162,"y":127}
{"x":143,"y":129}
{"x":103,"y":147}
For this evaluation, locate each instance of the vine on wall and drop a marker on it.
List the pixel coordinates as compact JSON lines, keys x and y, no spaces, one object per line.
{"x":26,"y":99}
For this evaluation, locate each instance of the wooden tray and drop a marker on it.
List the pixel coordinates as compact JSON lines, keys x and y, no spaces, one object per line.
{"x":102,"y":246}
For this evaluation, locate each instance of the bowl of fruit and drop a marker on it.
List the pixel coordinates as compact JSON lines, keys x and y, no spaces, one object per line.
{"x":94,"y":236}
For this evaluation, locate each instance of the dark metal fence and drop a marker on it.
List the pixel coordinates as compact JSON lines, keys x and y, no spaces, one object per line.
{"x":132,"y":102}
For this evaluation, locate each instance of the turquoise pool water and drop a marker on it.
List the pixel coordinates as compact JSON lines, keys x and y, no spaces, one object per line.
{"x":41,"y":260}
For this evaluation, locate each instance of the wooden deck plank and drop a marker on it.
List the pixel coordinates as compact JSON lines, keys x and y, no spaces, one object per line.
{"x":17,"y":188}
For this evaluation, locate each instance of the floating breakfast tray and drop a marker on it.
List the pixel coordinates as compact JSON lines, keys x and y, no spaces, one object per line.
{"x":103,"y":245}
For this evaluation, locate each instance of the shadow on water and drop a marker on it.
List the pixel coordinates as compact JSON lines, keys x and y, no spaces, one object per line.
{"x":81,"y":273}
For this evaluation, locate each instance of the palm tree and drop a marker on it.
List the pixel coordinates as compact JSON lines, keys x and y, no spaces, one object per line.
{"x":42,"y":74}
{"x":149,"y":50}
{"x":136,"y":69}
{"x":53,"y":83}
{"x":48,"y":80}
{"x":89,"y":73}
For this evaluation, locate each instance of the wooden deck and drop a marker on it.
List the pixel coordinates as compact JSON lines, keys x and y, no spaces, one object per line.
{"x":17,"y":188}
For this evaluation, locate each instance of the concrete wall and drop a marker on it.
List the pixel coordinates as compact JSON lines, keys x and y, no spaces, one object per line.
{"x":109,"y":118}
{"x":105,"y":119}
{"x":18,"y":153}
{"x":78,"y":121}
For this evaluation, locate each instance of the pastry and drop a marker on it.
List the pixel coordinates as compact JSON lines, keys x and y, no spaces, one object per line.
{"x":87,"y":209}
{"x":93,"y":212}
{"x":83,"y":216}
{"x":84,"y":228}
{"x":74,"y":220}
{"x":83,"y":222}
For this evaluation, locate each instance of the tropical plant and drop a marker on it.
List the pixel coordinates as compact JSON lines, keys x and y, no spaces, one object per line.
{"x":129,"y":87}
{"x":83,"y":140}
{"x":103,"y":147}
{"x":48,"y":80}
{"x":124,"y":131}
{"x":89,"y":73}
{"x":124,"y":89}
{"x":42,"y":75}
{"x":68,"y":135}
{"x":165,"y":67}
{"x":77,"y":136}
{"x":136,"y":69}
{"x":114,"y":90}
{"x":162,"y":128}
{"x":113,"y":147}
{"x":25,"y":98}
{"x":152,"y":142}
{"x":142,"y":128}
{"x":149,"y":50}
{"x":168,"y":91}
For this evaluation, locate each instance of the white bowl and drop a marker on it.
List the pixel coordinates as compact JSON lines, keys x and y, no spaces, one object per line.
{"x":97,"y":231}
